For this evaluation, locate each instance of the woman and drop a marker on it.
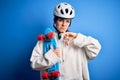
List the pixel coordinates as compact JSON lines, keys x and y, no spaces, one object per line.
{"x":74,"y":49}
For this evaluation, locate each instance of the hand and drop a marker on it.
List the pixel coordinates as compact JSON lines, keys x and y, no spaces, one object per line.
{"x":56,"y":51}
{"x":69,"y":36}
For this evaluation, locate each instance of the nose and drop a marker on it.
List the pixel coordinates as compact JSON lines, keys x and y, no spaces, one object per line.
{"x":64,"y":23}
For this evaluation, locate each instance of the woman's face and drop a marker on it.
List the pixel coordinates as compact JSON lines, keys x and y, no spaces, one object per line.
{"x":62,"y":24}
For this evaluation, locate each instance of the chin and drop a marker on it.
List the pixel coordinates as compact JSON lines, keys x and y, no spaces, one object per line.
{"x":62,"y":31}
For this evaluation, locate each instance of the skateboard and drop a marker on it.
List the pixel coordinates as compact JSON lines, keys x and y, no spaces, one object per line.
{"x":48,"y":39}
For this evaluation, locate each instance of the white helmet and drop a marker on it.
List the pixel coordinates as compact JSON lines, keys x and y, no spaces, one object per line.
{"x":64,"y":10}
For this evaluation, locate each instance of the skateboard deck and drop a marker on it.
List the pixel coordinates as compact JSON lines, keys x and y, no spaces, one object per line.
{"x":49,"y":39}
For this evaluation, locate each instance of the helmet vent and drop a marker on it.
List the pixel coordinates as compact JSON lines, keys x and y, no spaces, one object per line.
{"x":59,"y":6}
{"x":66,"y":10}
{"x":61,"y":11}
{"x":70,"y":12}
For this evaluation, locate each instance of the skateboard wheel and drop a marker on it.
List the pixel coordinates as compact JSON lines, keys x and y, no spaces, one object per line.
{"x":50,"y":35}
{"x":55,"y":74}
{"x":41,"y":37}
{"x":45,"y":75}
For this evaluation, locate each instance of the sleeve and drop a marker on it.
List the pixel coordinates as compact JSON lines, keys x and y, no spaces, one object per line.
{"x":91,"y":45}
{"x":40,"y":61}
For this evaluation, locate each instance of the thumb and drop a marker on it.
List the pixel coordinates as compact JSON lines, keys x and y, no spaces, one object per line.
{"x":51,"y":47}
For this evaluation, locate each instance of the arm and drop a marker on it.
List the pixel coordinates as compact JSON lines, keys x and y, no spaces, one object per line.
{"x":91,"y":45}
{"x":40,"y":61}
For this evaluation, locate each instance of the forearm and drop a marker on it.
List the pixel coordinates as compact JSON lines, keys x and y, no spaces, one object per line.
{"x":44,"y":61}
{"x":91,"y":45}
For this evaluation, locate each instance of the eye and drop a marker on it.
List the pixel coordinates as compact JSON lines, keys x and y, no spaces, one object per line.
{"x":68,"y":21}
{"x":60,"y":20}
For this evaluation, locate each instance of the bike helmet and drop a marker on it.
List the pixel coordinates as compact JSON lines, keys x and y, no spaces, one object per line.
{"x":64,"y":10}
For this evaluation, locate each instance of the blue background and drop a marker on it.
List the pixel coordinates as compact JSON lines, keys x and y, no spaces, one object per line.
{"x":21,"y":21}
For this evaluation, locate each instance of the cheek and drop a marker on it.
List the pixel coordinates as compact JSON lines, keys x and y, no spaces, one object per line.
{"x":68,"y":24}
{"x":58,"y":25}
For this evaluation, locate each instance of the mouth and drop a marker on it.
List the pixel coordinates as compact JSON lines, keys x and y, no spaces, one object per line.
{"x":63,"y":28}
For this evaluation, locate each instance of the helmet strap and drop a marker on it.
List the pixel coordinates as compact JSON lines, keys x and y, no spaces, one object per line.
{"x":58,"y":32}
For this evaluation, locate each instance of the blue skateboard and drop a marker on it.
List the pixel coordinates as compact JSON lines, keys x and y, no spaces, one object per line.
{"x":48,"y":39}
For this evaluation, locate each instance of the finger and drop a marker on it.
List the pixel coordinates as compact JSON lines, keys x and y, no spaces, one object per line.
{"x":58,"y":49}
{"x":66,"y":36}
{"x":70,"y":34}
{"x":51,"y":47}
